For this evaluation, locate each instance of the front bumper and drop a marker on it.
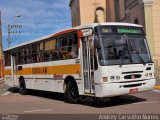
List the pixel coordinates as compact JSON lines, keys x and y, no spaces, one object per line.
{"x":116,"y":89}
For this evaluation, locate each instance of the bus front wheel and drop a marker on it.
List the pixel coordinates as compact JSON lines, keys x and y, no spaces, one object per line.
{"x":22,"y":87}
{"x":71,"y":93}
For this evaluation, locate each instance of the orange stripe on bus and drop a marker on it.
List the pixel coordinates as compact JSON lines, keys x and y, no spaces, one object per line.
{"x":63,"y":69}
{"x":7,"y":72}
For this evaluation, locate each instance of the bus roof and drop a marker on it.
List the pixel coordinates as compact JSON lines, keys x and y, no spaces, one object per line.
{"x":73,"y":29}
{"x":107,"y":23}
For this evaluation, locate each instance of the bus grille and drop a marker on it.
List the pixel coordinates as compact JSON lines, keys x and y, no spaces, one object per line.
{"x":132,"y":85}
{"x":133,"y":76}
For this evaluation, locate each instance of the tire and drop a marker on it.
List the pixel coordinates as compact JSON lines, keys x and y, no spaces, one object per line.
{"x":22,"y":87}
{"x":71,"y":93}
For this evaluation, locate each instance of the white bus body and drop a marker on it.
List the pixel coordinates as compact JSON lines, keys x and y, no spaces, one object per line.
{"x":98,"y":70}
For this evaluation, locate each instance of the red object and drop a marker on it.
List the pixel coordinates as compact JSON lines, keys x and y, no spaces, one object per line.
{"x":135,"y":90}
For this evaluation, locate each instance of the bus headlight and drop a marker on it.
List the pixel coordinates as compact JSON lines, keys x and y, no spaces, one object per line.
{"x":150,"y":74}
{"x":146,"y":75}
{"x":105,"y":79}
{"x":112,"y":78}
{"x":118,"y":77}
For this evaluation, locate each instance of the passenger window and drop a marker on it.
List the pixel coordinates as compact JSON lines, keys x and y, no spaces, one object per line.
{"x":71,"y":40}
{"x":65,"y":40}
{"x":51,"y":50}
{"x":75,"y":39}
{"x":69,"y":49}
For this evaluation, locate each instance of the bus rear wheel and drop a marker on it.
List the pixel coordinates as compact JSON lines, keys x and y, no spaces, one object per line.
{"x":22,"y":87}
{"x":71,"y":93}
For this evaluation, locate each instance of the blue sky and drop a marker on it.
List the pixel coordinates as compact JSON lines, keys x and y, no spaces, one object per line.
{"x":38,"y":18}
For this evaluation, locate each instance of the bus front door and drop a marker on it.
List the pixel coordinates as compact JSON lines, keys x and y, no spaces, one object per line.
{"x":88,"y":59}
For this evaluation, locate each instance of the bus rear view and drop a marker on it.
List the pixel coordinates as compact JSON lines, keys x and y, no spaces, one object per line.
{"x":125,"y":64}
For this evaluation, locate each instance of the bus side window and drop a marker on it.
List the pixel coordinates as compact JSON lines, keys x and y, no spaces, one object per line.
{"x":54,"y":55}
{"x":75,"y":39}
{"x":64,"y":40}
{"x":50,"y":50}
{"x":40,"y":54}
{"x":71,"y":40}
{"x":35,"y":50}
{"x":19,"y":58}
{"x":67,"y":46}
{"x":63,"y":47}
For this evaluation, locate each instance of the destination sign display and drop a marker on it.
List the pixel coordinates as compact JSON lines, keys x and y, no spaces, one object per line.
{"x":119,"y":30}
{"x":128,"y":30}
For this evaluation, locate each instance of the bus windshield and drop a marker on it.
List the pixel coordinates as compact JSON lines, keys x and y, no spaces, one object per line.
{"x":123,"y":49}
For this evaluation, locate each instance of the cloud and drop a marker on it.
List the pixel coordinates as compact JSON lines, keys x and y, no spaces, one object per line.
{"x":38,"y":17}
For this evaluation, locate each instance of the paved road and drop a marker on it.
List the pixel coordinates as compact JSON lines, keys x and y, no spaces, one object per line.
{"x":38,"y":102}
{"x":52,"y":103}
{"x":3,"y":87}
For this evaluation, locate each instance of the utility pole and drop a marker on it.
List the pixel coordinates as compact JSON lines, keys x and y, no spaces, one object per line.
{"x":13,"y":29}
{"x":1,"y":51}
{"x":9,"y":40}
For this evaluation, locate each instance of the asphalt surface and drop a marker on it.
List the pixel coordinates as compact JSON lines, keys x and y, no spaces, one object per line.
{"x":52,"y":103}
{"x":49,"y":103}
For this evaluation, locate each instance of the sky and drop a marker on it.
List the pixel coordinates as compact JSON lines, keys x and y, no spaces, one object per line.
{"x":38,"y":18}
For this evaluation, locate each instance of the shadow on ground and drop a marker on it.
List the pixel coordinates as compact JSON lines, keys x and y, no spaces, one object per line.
{"x":86,"y":100}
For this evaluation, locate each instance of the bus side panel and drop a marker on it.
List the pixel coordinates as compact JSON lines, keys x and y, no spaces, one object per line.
{"x":29,"y":81}
{"x":8,"y":77}
{"x":42,"y":84}
{"x":49,"y":76}
{"x":9,"y":81}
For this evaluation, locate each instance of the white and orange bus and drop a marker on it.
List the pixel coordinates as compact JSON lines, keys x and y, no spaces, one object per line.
{"x":100,"y":60}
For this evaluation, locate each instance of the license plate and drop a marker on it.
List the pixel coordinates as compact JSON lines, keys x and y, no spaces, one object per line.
{"x":135,"y":90}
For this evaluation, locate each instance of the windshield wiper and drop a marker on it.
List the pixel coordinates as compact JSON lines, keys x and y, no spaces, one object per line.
{"x":125,"y":49}
{"x":128,"y":47}
{"x":139,"y":57}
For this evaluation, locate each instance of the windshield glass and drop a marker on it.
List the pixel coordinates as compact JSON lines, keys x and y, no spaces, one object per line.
{"x":120,"y":49}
